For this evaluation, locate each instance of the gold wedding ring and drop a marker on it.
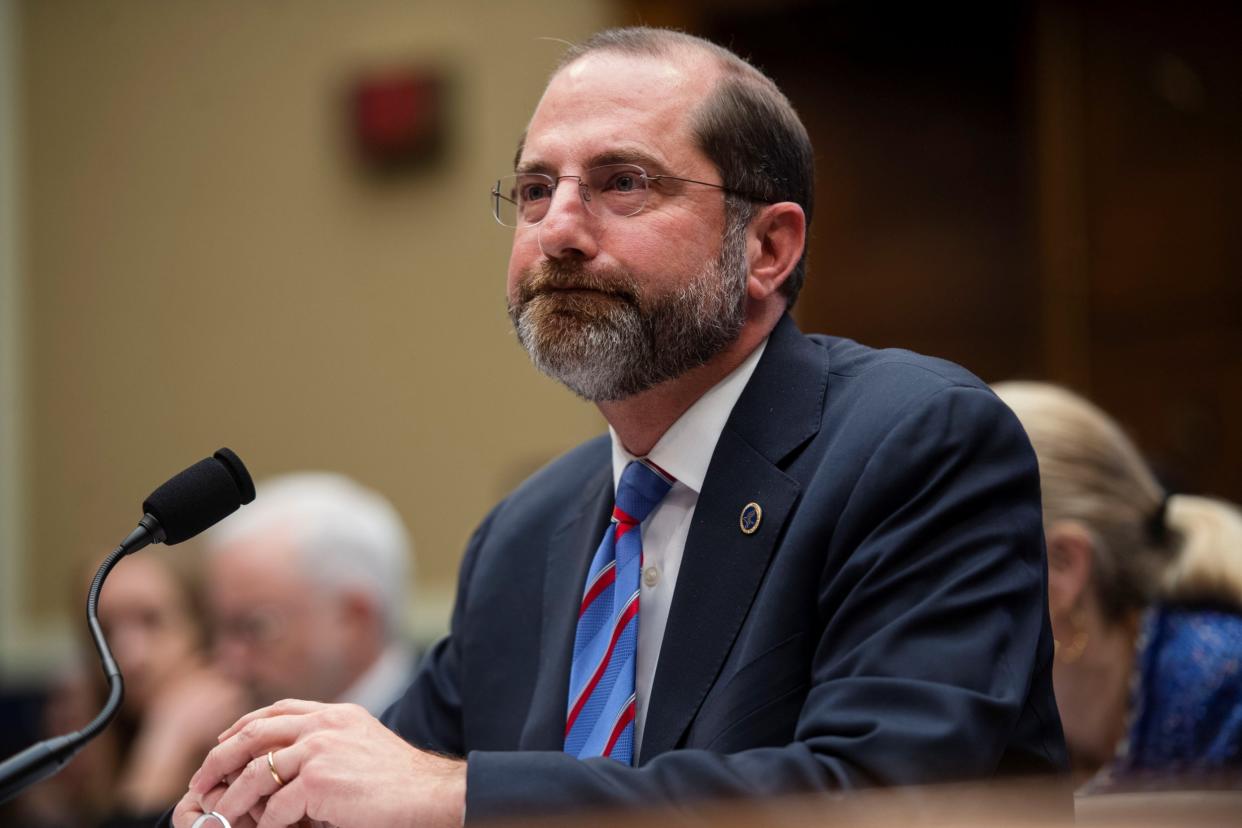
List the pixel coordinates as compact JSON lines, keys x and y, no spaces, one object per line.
{"x":271,"y":765}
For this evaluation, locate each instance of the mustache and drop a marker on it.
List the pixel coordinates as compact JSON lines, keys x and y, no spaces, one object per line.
{"x":553,"y":275}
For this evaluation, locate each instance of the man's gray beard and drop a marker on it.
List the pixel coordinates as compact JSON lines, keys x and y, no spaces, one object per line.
{"x":618,"y":342}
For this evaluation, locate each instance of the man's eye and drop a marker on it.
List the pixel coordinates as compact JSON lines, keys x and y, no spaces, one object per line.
{"x":535,"y":191}
{"x":624,"y":183}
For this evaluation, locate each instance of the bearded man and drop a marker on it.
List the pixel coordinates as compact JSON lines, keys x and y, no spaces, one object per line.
{"x":793,"y":564}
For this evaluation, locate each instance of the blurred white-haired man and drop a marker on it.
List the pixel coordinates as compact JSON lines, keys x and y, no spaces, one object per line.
{"x":306,"y":590}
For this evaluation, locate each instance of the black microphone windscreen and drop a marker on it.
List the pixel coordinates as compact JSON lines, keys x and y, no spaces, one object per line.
{"x":202,"y":495}
{"x":237,"y":469}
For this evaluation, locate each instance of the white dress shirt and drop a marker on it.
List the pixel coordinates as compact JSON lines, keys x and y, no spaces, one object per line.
{"x":384,"y":681}
{"x":684,"y":452}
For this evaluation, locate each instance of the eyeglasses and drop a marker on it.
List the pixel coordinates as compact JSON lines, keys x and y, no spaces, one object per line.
{"x":611,"y":190}
{"x":257,"y":628}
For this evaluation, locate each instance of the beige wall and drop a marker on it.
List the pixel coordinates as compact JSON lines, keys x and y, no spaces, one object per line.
{"x":203,"y":265}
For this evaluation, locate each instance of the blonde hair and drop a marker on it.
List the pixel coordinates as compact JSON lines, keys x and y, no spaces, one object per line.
{"x":1185,"y":549}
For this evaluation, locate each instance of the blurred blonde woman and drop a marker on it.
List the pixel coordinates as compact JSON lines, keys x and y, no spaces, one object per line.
{"x":1145,"y":595}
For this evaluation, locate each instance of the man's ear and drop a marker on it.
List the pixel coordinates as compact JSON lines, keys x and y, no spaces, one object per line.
{"x":360,"y":611}
{"x":775,"y":241}
{"x":1070,"y":565}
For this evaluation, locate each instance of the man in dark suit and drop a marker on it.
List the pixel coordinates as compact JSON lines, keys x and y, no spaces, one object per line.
{"x":836,"y":575}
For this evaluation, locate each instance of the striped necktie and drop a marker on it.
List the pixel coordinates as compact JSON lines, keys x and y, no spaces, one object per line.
{"x":600,"y":721}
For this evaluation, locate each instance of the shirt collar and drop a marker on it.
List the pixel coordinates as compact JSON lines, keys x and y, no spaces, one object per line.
{"x":383,"y":681}
{"x":686,"y":449}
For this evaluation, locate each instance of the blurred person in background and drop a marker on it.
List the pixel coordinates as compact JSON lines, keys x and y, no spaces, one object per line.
{"x":1145,"y":595}
{"x":174,"y":705}
{"x":175,"y":701}
{"x":82,"y":792}
{"x":306,"y":591}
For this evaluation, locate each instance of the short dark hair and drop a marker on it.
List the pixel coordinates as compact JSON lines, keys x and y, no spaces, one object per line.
{"x":746,"y":127}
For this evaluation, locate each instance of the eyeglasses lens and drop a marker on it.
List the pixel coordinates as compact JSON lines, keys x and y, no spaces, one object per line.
{"x":613,"y":189}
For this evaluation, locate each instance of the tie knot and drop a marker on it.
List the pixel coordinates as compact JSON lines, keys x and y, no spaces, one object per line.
{"x":641,"y":489}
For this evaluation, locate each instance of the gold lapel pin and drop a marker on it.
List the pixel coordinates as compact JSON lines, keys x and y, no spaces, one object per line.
{"x":752,"y":514}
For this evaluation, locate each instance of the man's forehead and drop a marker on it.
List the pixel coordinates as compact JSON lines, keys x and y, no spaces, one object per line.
{"x":628,"y":70}
{"x":613,"y":102}
{"x":628,"y":78}
{"x":266,"y":550}
{"x":254,"y":573}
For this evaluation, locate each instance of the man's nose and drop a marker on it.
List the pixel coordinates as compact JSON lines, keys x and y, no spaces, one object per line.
{"x":568,"y":230}
{"x":231,"y":656}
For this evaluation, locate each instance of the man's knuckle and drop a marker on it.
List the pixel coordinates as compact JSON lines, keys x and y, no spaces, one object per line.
{"x":250,"y":732}
{"x":334,"y":716}
{"x":290,"y":705}
{"x":312,"y":775}
{"x":317,"y":742}
{"x":213,"y":756}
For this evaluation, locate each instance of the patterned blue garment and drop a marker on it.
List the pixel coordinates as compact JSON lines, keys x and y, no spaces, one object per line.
{"x":1186,"y":715}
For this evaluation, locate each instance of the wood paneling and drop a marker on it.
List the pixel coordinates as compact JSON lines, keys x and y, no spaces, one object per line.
{"x":1042,"y":190}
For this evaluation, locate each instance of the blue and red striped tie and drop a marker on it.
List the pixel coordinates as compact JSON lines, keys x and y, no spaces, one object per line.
{"x":601,"y":681}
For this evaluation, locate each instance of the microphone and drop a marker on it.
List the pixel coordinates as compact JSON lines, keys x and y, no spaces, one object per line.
{"x":201,"y":496}
{"x":189,"y":502}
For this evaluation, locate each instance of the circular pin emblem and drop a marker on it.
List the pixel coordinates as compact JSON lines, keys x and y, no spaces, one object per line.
{"x":751,"y":515}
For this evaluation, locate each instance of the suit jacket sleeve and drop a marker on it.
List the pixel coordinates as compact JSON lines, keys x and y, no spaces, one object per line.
{"x":932,"y":601}
{"x":429,"y":713}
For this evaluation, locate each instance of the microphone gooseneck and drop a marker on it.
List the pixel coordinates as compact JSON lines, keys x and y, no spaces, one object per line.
{"x":185,"y":505}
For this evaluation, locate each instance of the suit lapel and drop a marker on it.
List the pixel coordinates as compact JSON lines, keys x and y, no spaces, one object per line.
{"x":568,"y":558}
{"x":722,"y":566}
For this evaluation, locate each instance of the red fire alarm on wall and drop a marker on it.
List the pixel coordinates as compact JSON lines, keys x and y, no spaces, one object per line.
{"x":397,"y":117}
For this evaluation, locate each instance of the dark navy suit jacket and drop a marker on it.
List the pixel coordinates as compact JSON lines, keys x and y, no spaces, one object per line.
{"x":886,"y":624}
